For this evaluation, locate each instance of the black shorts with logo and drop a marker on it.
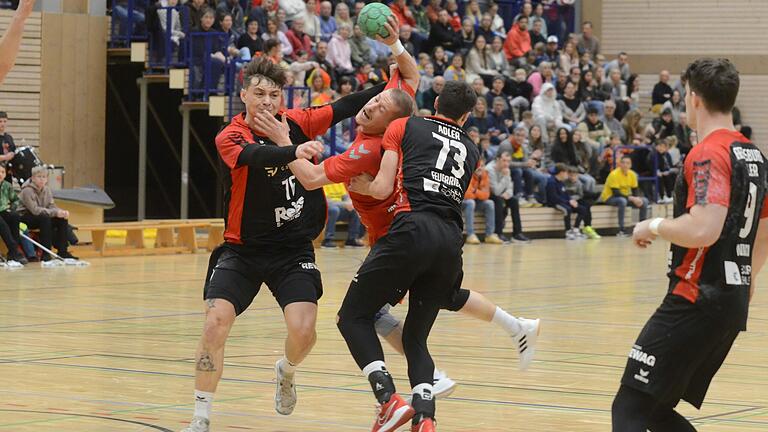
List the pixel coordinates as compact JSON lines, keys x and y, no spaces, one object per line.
{"x":678,"y":352}
{"x":235,"y":274}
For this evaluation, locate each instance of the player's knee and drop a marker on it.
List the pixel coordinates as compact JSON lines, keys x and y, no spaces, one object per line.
{"x":303,"y":335}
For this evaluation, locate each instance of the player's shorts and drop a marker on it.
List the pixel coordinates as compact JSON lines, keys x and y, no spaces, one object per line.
{"x":235,"y":274}
{"x":421,"y":253}
{"x":678,"y":352}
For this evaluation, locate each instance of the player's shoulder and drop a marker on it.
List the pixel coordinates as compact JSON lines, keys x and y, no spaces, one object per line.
{"x":236,"y":131}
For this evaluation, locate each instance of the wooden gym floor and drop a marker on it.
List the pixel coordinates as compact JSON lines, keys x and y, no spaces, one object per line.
{"x":109,"y":347}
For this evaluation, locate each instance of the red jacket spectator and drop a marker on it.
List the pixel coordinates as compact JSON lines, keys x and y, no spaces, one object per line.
{"x":480,"y":185}
{"x":403,"y":14}
{"x":299,"y":42}
{"x":518,"y":42}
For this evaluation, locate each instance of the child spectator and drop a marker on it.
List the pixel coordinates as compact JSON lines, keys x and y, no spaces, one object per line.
{"x":9,"y":219}
{"x":479,"y":196}
{"x":575,"y":189}
{"x":606,"y":158}
{"x":621,"y":189}
{"x":665,"y":171}
{"x":340,"y":208}
{"x":39,"y":211}
{"x":559,"y":199}
{"x":593,"y":130}
{"x":504,"y":199}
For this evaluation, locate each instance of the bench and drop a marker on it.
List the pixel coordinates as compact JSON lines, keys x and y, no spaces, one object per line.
{"x":173,"y":236}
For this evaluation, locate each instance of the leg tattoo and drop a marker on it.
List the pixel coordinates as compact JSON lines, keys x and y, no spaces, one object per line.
{"x":205,"y":363}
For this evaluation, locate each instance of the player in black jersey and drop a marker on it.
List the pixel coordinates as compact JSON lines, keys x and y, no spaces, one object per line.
{"x":719,"y":244}
{"x":271,"y":221}
{"x":433,"y":160}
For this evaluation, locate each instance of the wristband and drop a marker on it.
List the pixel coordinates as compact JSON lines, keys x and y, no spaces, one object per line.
{"x":654,"y":225}
{"x":397,"y":48}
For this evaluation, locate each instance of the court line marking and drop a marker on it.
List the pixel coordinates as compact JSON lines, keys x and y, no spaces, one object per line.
{"x":155,"y":427}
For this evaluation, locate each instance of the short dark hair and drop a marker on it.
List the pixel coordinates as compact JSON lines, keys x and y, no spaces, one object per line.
{"x":715,"y":81}
{"x":271,"y":44}
{"x":560,"y":167}
{"x":456,"y":99}
{"x":263,"y":68}
{"x":522,"y":17}
{"x":501,"y":154}
{"x":573,"y":170}
{"x":405,"y":104}
{"x":626,"y":156}
{"x":3,"y":115}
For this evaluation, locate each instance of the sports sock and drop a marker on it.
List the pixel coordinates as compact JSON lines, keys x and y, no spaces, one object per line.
{"x":287,"y":367}
{"x":506,"y":321}
{"x":203,"y":403}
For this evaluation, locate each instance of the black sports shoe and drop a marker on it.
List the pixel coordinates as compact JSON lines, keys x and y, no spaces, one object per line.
{"x":520,"y":238}
{"x":354,"y":243}
{"x":328,"y":244}
{"x":67,"y":255}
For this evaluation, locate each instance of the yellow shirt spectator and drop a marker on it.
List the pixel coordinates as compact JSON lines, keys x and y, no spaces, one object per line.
{"x":618,"y":180}
{"x":335,"y":192}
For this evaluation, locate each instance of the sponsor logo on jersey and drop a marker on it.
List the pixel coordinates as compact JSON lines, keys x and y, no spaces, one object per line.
{"x":701,"y":176}
{"x":642,"y":376}
{"x":273,"y":171}
{"x":287,"y":214}
{"x":445,"y":179}
{"x":732,"y":273}
{"x":638,"y":355}
{"x":743,"y":250}
{"x":308,"y":266}
{"x":748,"y":155}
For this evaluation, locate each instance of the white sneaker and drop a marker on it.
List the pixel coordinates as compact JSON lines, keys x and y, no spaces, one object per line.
{"x":285,"y":393}
{"x":526,"y":341}
{"x":442,"y":386}
{"x":570,"y":235}
{"x":11,"y":264}
{"x":198,"y":424}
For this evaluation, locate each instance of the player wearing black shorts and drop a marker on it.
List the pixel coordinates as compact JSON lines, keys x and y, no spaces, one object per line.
{"x":431,"y":160}
{"x":719,"y":244}
{"x":271,"y":221}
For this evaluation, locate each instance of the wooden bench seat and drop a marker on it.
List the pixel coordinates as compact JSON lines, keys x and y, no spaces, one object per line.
{"x":172,"y":237}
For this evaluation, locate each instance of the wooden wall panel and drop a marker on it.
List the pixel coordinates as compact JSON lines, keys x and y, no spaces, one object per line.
{"x":701,"y":27}
{"x":20,"y":92}
{"x":73,"y":96}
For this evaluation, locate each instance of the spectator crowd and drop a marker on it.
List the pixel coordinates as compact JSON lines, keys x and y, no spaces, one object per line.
{"x":555,"y":119}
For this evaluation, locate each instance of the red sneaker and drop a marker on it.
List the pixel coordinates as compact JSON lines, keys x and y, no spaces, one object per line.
{"x":425,"y":425}
{"x":393,"y":414}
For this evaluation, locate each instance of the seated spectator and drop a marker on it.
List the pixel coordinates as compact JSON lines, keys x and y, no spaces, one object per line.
{"x":479,"y":196}
{"x":472,"y":11}
{"x":321,"y":57}
{"x":621,"y":189}
{"x":662,"y":92}
{"x":360,"y":50}
{"x":575,"y":189}
{"x":274,"y":32}
{"x":519,"y":91}
{"x":232,"y":7}
{"x":633,"y":90}
{"x":676,"y":105}
{"x":440,"y":61}
{"x":40,"y":211}
{"x":518,"y":41}
{"x":559,"y":199}
{"x":479,"y":117}
{"x":299,"y":40}
{"x":590,"y":92}
{"x":320,"y":84}
{"x":546,"y":110}
{"x":428,"y":98}
{"x":499,"y":121}
{"x":486,"y":151}
{"x":217,"y":52}
{"x":452,"y":7}
{"x":594,"y":131}
{"x":571,"y":106}
{"x":195,"y":12}
{"x":551,"y":52}
{"x":564,"y":151}
{"x":683,"y":134}
{"x":496,"y":90}
{"x":467,"y":33}
{"x":537,"y":37}
{"x":339,"y":52}
{"x":7,"y":146}
{"x":484,"y":29}
{"x":478,"y":62}
{"x":632,"y":128}
{"x":587,"y":41}
{"x":610,"y":120}
{"x":250,"y":43}
{"x":403,"y":14}
{"x":456,"y":72}
{"x":665,"y":171}
{"x":9,"y":219}
{"x":569,"y":57}
{"x":526,"y":10}
{"x":231,"y":37}
{"x":606,"y":158}
{"x":442,"y":34}
{"x":342,"y":15}
{"x":504,"y":199}
{"x":543,"y":75}
{"x":409,"y":40}
{"x":479,"y":87}
{"x":274,"y":50}
{"x":587,"y":157}
{"x":311,"y":21}
{"x":427,"y":78}
{"x":536,"y":142}
{"x":262,"y":13}
{"x":497,"y":60}
{"x":525,"y":176}
{"x":663,"y":126}
{"x":419,"y":12}
{"x":497,"y":25}
{"x":300,"y":67}
{"x":620,"y":63}
{"x":433,"y":11}
{"x":328,"y":25}
{"x":176,"y":32}
{"x":538,"y":15}
{"x":340,"y":209}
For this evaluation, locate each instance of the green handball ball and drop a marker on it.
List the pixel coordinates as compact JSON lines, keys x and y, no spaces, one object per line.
{"x":372,"y":19}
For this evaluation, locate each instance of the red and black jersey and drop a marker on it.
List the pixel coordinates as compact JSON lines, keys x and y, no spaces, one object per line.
{"x":728,"y":170}
{"x":264,"y":203}
{"x":437,"y":159}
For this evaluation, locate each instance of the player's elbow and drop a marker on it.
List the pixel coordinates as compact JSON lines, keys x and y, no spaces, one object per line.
{"x":381,"y":192}
{"x":706,"y":236}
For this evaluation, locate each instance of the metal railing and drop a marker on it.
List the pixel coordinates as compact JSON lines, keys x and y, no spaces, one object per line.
{"x":128,"y":22}
{"x":165,"y":52}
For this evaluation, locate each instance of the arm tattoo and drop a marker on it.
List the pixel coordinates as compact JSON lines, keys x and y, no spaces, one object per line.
{"x":211,"y":303}
{"x":205,"y":363}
